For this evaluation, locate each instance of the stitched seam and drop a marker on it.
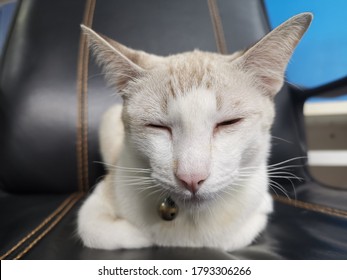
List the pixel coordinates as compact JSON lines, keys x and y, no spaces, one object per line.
{"x":79,"y":117}
{"x":82,"y":103}
{"x":312,"y":207}
{"x":80,"y":107}
{"x":40,"y":226}
{"x":217,"y":27}
{"x":51,"y":226}
{"x":85,"y":99}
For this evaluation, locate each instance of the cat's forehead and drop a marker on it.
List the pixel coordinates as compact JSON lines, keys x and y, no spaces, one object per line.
{"x":195,"y":69}
{"x":197,"y":62}
{"x":199,"y":79}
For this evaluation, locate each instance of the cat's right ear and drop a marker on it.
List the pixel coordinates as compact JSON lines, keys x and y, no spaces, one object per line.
{"x":120,"y":63}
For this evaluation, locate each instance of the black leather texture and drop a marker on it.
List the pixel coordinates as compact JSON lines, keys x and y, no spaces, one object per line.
{"x":38,"y":98}
{"x":39,"y":193}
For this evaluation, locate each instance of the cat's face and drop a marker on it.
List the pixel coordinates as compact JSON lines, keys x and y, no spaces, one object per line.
{"x":200,"y":119}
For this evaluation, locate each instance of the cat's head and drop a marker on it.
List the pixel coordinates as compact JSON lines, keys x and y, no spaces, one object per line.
{"x":200,"y":119}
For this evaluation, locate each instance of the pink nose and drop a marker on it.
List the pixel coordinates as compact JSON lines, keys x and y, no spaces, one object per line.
{"x":192,"y":182}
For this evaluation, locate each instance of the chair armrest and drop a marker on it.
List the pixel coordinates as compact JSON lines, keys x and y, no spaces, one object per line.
{"x":333,"y":89}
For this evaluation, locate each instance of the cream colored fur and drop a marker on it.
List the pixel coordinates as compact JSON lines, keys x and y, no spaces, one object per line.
{"x":191,"y":115}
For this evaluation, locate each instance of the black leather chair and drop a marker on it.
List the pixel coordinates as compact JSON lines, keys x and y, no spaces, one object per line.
{"x":51,"y":100}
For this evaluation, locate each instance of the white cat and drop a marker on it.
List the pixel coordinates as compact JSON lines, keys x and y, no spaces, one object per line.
{"x":194,"y":132}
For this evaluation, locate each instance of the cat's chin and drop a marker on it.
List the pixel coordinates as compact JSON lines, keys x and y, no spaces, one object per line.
{"x":192,"y":200}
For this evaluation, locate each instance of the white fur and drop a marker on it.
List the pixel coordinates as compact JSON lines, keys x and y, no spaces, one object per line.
{"x":191,"y":94}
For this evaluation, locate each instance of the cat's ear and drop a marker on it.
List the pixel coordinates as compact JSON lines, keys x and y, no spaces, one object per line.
{"x":267,"y":60}
{"x":120,"y":63}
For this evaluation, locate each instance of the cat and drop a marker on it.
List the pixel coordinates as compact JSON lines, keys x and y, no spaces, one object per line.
{"x":194,"y":131}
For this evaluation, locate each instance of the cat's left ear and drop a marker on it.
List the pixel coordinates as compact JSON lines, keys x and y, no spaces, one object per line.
{"x":267,"y":60}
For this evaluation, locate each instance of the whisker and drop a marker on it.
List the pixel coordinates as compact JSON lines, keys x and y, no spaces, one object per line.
{"x":284,"y":167}
{"x":134,"y":175}
{"x":162,"y":195}
{"x":129,"y":169}
{"x":290,"y":174}
{"x":285,"y":172}
{"x":133,"y":183}
{"x":274,"y":166}
{"x":284,"y":140}
{"x":284,"y":177}
{"x":153,"y":192}
{"x":278,"y":186}
{"x":135,"y":178}
{"x":137,"y":183}
{"x":143,"y":189}
{"x":288,"y":160}
{"x":273,"y":189}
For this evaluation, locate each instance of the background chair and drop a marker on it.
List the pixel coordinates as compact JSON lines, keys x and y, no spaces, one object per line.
{"x":52,"y":97}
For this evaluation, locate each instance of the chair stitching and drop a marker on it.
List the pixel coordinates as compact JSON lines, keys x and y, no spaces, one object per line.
{"x":80,"y":107}
{"x":312,"y":206}
{"x":85,"y":99}
{"x":51,"y":226}
{"x":217,"y":27}
{"x":40,"y":226}
{"x":82,"y":99}
{"x":79,"y":145}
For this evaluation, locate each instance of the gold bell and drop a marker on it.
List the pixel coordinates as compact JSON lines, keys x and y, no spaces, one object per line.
{"x":168,"y":209}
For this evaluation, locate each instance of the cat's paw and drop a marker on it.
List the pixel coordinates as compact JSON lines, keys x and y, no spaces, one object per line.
{"x":99,"y":227}
{"x":112,"y":234}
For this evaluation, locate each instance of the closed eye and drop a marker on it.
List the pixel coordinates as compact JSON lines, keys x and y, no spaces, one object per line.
{"x":159,"y":127}
{"x":228,"y":122}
